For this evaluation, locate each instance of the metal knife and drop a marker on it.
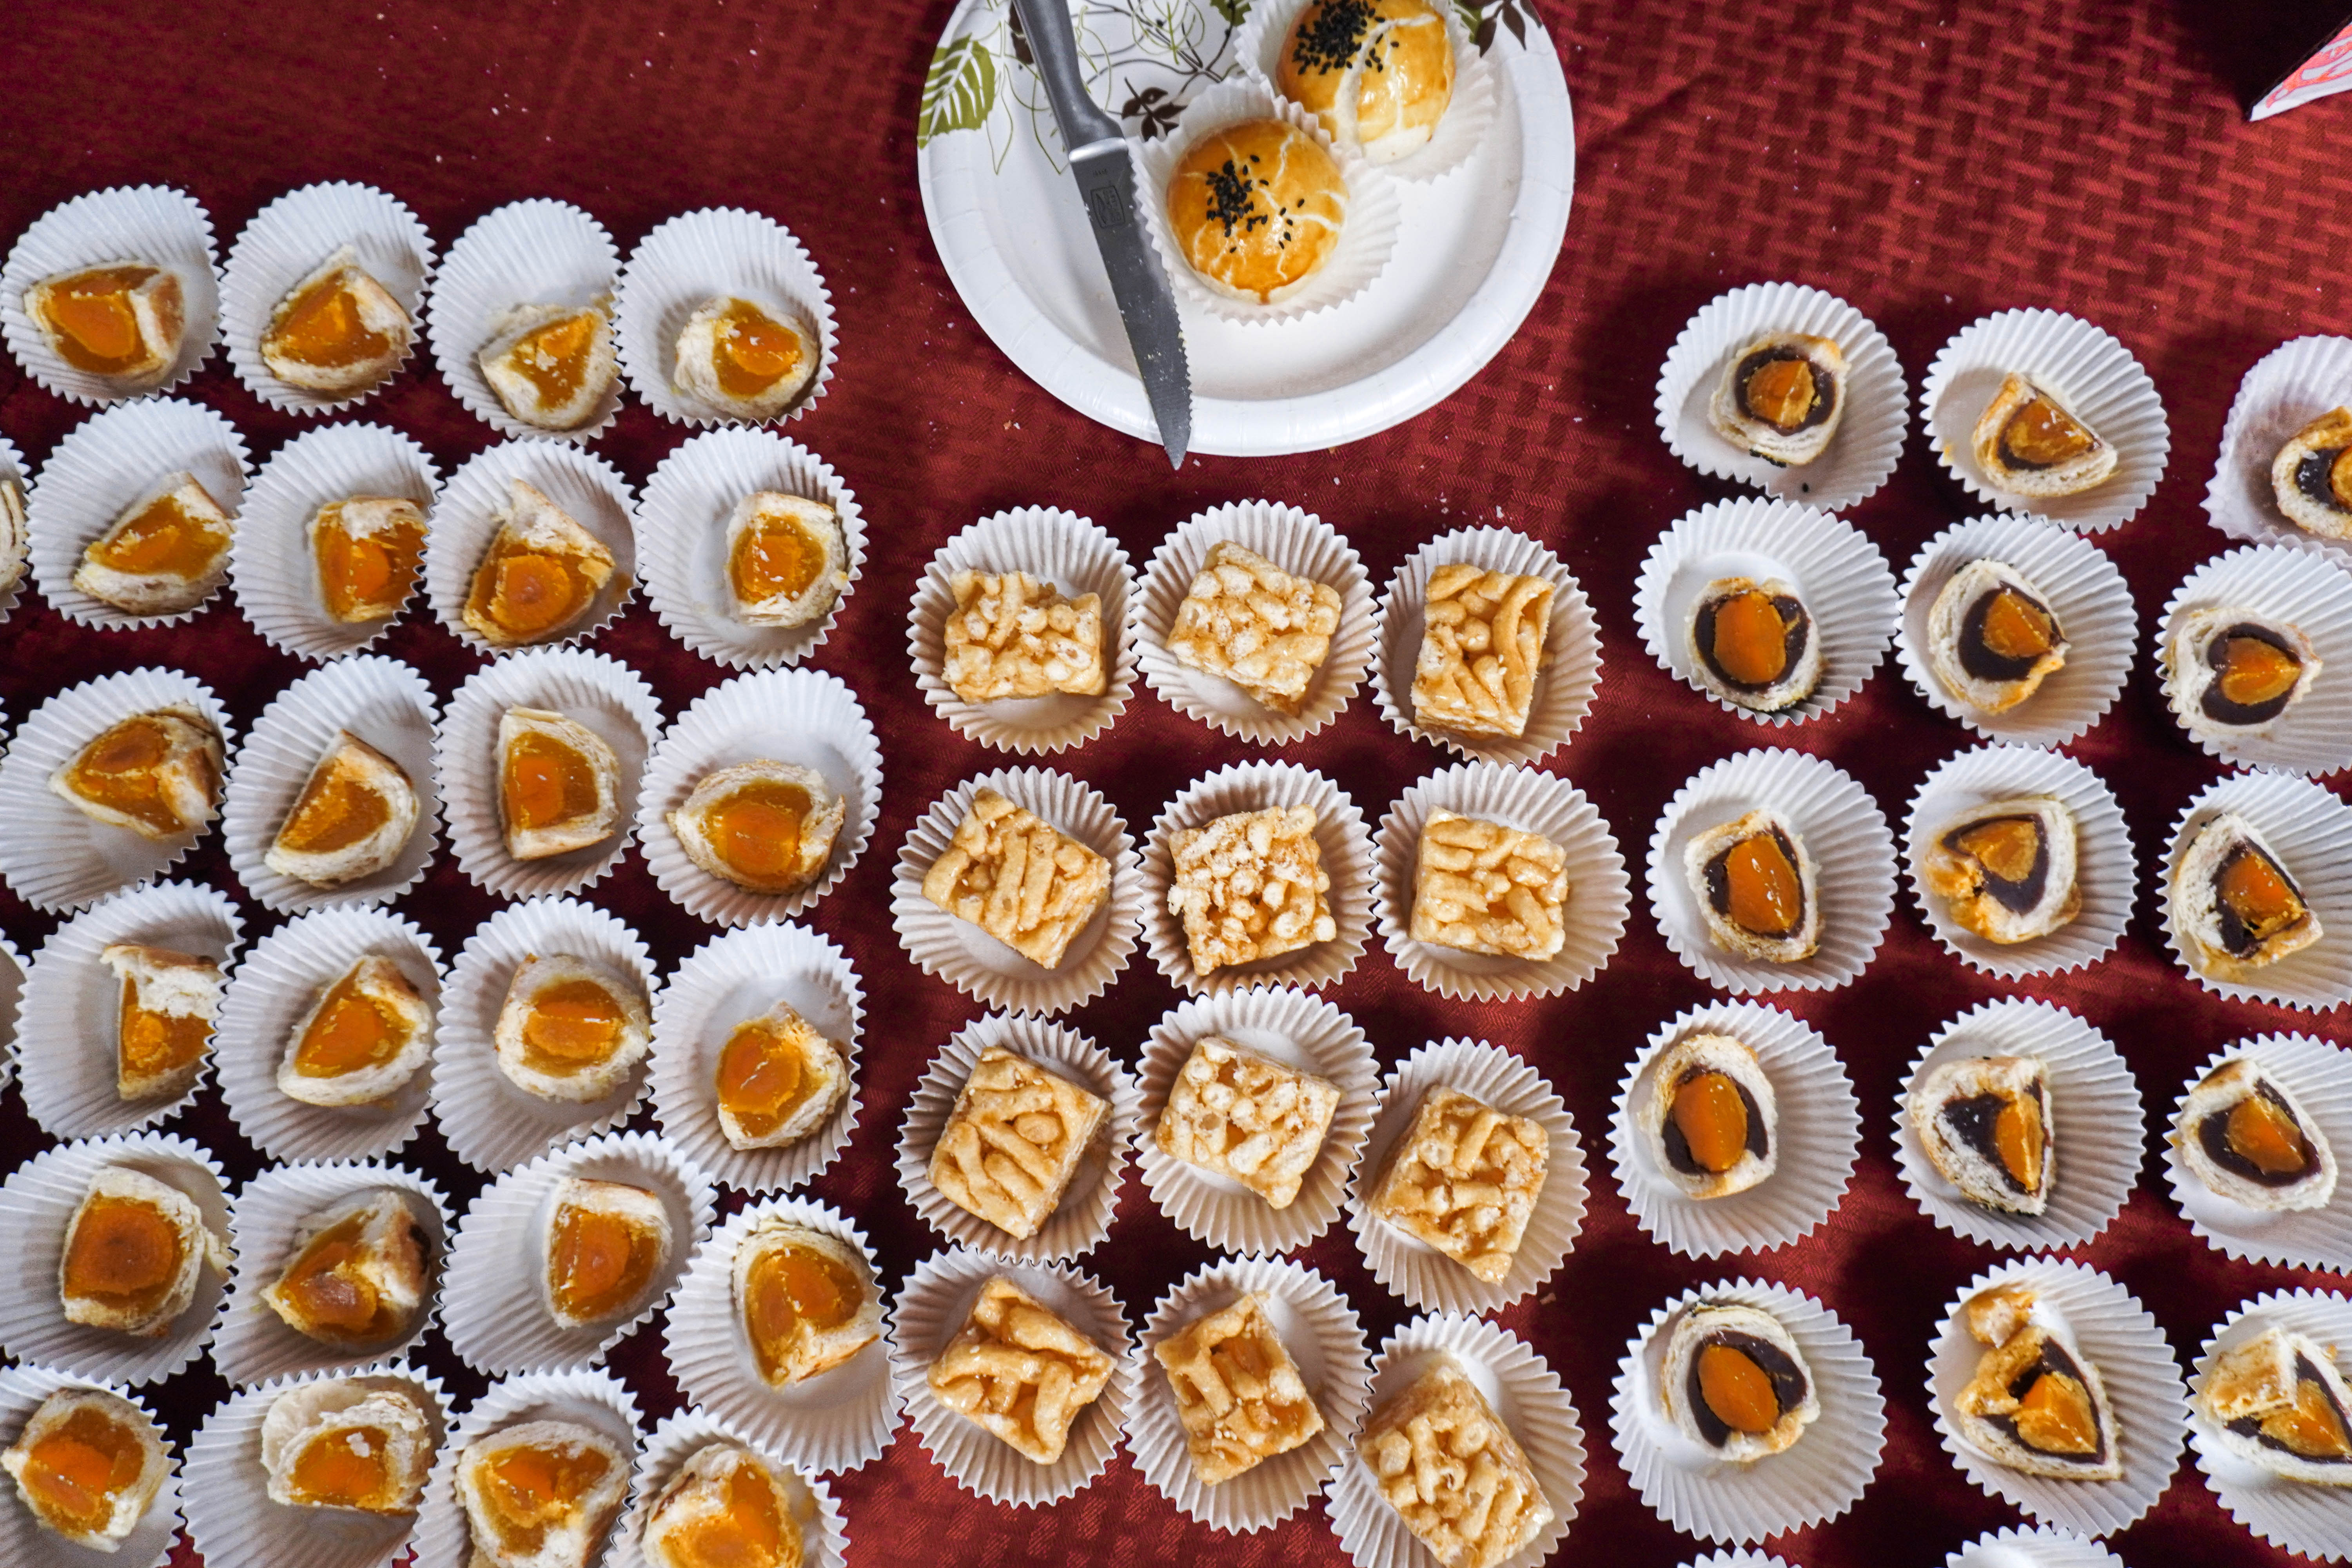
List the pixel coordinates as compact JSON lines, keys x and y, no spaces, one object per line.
{"x":1106,"y":175}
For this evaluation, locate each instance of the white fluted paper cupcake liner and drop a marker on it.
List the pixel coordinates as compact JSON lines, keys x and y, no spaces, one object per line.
{"x":534,"y":252}
{"x":681,"y":1435}
{"x":682,"y":519}
{"x":105,"y":465}
{"x":12,"y":471}
{"x":274,"y":567}
{"x":595,"y":1399}
{"x":1844,"y":582}
{"x":1459,"y":132}
{"x":494,"y":1300}
{"x":273,"y":988}
{"x":38,"y":1203}
{"x":66,"y":1037}
{"x":1299,"y":1030}
{"x":1817,"y":1131}
{"x":2317,"y":1074}
{"x":1816,"y":1480}
{"x":730,"y":979}
{"x":1571,"y":671}
{"x":488,"y":1121}
{"x":23,"y":1539}
{"x":976,"y":963}
{"x":2019,"y":1547}
{"x":285,"y":243}
{"x":2312,"y":592}
{"x":697,"y":256}
{"x":590,"y":688}
{"x":590,"y":492}
{"x":2309,"y":829}
{"x":384,"y":702}
{"x":12,"y":996}
{"x":1842,"y":829}
{"x":2116,"y":1335}
{"x":1736,"y":1560}
{"x":1869,"y":441}
{"x":253,"y":1344}
{"x":1526,"y":1394}
{"x":838,"y":1420}
{"x":801,"y":716}
{"x":1600,"y":893}
{"x":931,"y":1309}
{"x":1077,"y":557}
{"x":2309,"y":1520}
{"x":1080,"y":1221}
{"x":2292,"y":385}
{"x":2086,"y":369}
{"x":2102,"y":850}
{"x":1323,"y":1336}
{"x":155,"y":226}
{"x":1425,"y":1277}
{"x":56,"y":859}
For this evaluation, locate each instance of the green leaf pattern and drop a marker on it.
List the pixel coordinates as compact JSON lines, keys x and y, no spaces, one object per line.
{"x":959,"y":91}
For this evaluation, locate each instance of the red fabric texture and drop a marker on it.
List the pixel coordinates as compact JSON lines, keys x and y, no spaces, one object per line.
{"x":1931,"y":162}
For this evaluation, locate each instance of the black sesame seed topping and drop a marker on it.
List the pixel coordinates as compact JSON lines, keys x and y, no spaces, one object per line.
{"x":1331,"y":35}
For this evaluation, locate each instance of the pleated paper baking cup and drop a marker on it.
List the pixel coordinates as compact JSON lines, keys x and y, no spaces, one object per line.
{"x":1842,"y":830}
{"x":2093,"y":605}
{"x":67,"y":1036}
{"x":1837,"y":573}
{"x":1299,"y":542}
{"x":1524,"y":1393}
{"x":588,"y":489}
{"x":23,"y":1539}
{"x":933,"y":1308}
{"x":2310,"y":1520}
{"x":1811,"y":1483}
{"x":292,"y":237}
{"x":1367,"y":230}
{"x":488,"y":1121}
{"x":151,"y":226}
{"x":1565,"y":683}
{"x":1600,"y":893}
{"x":273,"y":988}
{"x":226,"y":1490}
{"x":1080,"y":1221}
{"x":494,"y":1300}
{"x":1300,"y":1031}
{"x":2098,"y":1126}
{"x":2119,"y":1337}
{"x":1459,"y":132}
{"x":2309,"y":830}
{"x":56,"y":859}
{"x":38,"y":1205}
{"x":677,"y":1438}
{"x":697,"y":257}
{"x":1324,"y":1338}
{"x":106,"y":465}
{"x":2104,"y":866}
{"x":2088,"y":371}
{"x":993,"y":972}
{"x":1736,"y":1560}
{"x":2293,"y":384}
{"x":839,"y":1419}
{"x":1428,"y":1279}
{"x":683,"y":521}
{"x":1816,"y":1131}
{"x":729,"y":980}
{"x":1345,"y":850}
{"x":593,"y":690}
{"x":386,"y":704}
{"x":800,"y":716}
{"x":274,"y":564}
{"x":253,"y":1344}
{"x":1878,"y":416}
{"x":2319,"y":1078}
{"x":593,"y":1399}
{"x":1075,"y":557}
{"x":12,"y":471}
{"x":527,"y":253}
{"x":2047,"y":1547}
{"x":2307,"y":590}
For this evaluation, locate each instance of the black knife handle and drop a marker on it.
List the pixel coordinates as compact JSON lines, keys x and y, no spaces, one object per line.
{"x":1055,"y":46}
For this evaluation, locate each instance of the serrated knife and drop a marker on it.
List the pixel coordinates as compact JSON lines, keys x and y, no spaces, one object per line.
{"x":1105,"y":171}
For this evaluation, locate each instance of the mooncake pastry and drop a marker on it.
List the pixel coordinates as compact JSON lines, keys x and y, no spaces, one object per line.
{"x":1755,"y":644}
{"x":1782,"y":397}
{"x":122,"y":321}
{"x":166,"y":553}
{"x":352,"y":819}
{"x":157,"y":774}
{"x":2311,"y":475}
{"x":745,"y":358}
{"x":88,"y":1465}
{"x":550,"y":365}
{"x":766,"y":825}
{"x":2036,"y":1402}
{"x":1734,"y":1380}
{"x":347,"y":1446}
{"x":1992,"y":639}
{"x":337,"y":331}
{"x":1379,"y":74}
{"x":2233,"y":673}
{"x":2278,"y":1402}
{"x":2029,"y":444}
{"x":1711,"y":1117}
{"x":2235,"y":905}
{"x":1256,"y":210}
{"x":1984,"y":1124}
{"x":2006,"y":869}
{"x":1753,"y":881}
{"x":2244,"y":1135}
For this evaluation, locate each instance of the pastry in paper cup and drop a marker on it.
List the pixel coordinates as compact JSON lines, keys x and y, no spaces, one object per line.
{"x":591,"y":1401}
{"x":676,"y":1442}
{"x":170,"y":943}
{"x":277,"y":563}
{"x":2309,"y":1229}
{"x":1413,"y":149}
{"x":508,"y":487}
{"x":2289,"y":389}
{"x":2292,"y":605}
{"x":1869,"y":398}
{"x":12,"y":996}
{"x":991,"y":945}
{"x":281,"y":255}
{"x":992,"y":673}
{"x":145,"y":1540}
{"x":2020,"y":1547}
{"x":708,"y":256}
{"x":1558,"y":686}
{"x":2283,"y":1496}
{"x":15,"y":540}
{"x":2305,"y":833}
{"x":2095,"y":1322}
{"x":147,"y":251}
{"x":522,"y":266}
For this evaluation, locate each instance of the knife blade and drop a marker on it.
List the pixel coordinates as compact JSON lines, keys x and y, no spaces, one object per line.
{"x":1105,"y":171}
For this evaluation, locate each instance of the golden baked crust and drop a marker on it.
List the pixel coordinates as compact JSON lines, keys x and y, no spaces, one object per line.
{"x":541,"y":1494}
{"x":1446,"y":1462}
{"x":1013,"y":636}
{"x":1464,"y":1178}
{"x":1250,"y":886}
{"x":1482,"y":887}
{"x":1018,"y":1370}
{"x":1248,"y":1117}
{"x":1019,"y":878}
{"x":1238,"y":1392}
{"x":339,"y":330}
{"x":352,"y":819}
{"x":157,"y":774}
{"x":1482,"y":646}
{"x":50,"y":1463}
{"x":539,"y":575}
{"x":805,"y":1299}
{"x":1379,"y":74}
{"x":1256,"y":209}
{"x":1014,"y":1141}
{"x":124,"y":321}
{"x":1248,"y":621}
{"x":165,"y":553}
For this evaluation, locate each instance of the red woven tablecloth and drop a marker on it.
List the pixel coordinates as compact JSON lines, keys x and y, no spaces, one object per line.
{"x":1930,"y":161}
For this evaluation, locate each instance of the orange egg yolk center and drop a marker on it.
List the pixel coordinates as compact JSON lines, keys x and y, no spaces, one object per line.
{"x":350,"y":1469}
{"x":351,"y":1033}
{"x":791,"y":1291}
{"x":1782,"y":394}
{"x":749,"y":1533}
{"x":2015,"y":627}
{"x":1767,"y":896}
{"x":118,"y":769}
{"x":2017,"y":1139}
{"x":599,"y":1262}
{"x":2262,"y":1134}
{"x":2254,"y":671}
{"x":76,"y":1471}
{"x":153,"y":1042}
{"x":2312,"y":1426}
{"x":1738,"y":1390}
{"x":1713,"y":1120}
{"x":2055,"y":1417}
{"x":329,"y":1287}
{"x":528,"y":593}
{"x":96,"y":326}
{"x":366,"y":575}
{"x":554,"y":359}
{"x":2006,"y":846}
{"x":125,"y":1253}
{"x":530,"y":1489}
{"x":1751,"y":640}
{"x":546,"y":782}
{"x":2259,"y":894}
{"x":753,"y":351}
{"x":163,"y":540}
{"x":775,"y":558}
{"x":322,"y":327}
{"x":757,"y":830}
{"x":762,"y":1080}
{"x":2041,"y":434}
{"x":335,"y":810}
{"x":571,"y":1026}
